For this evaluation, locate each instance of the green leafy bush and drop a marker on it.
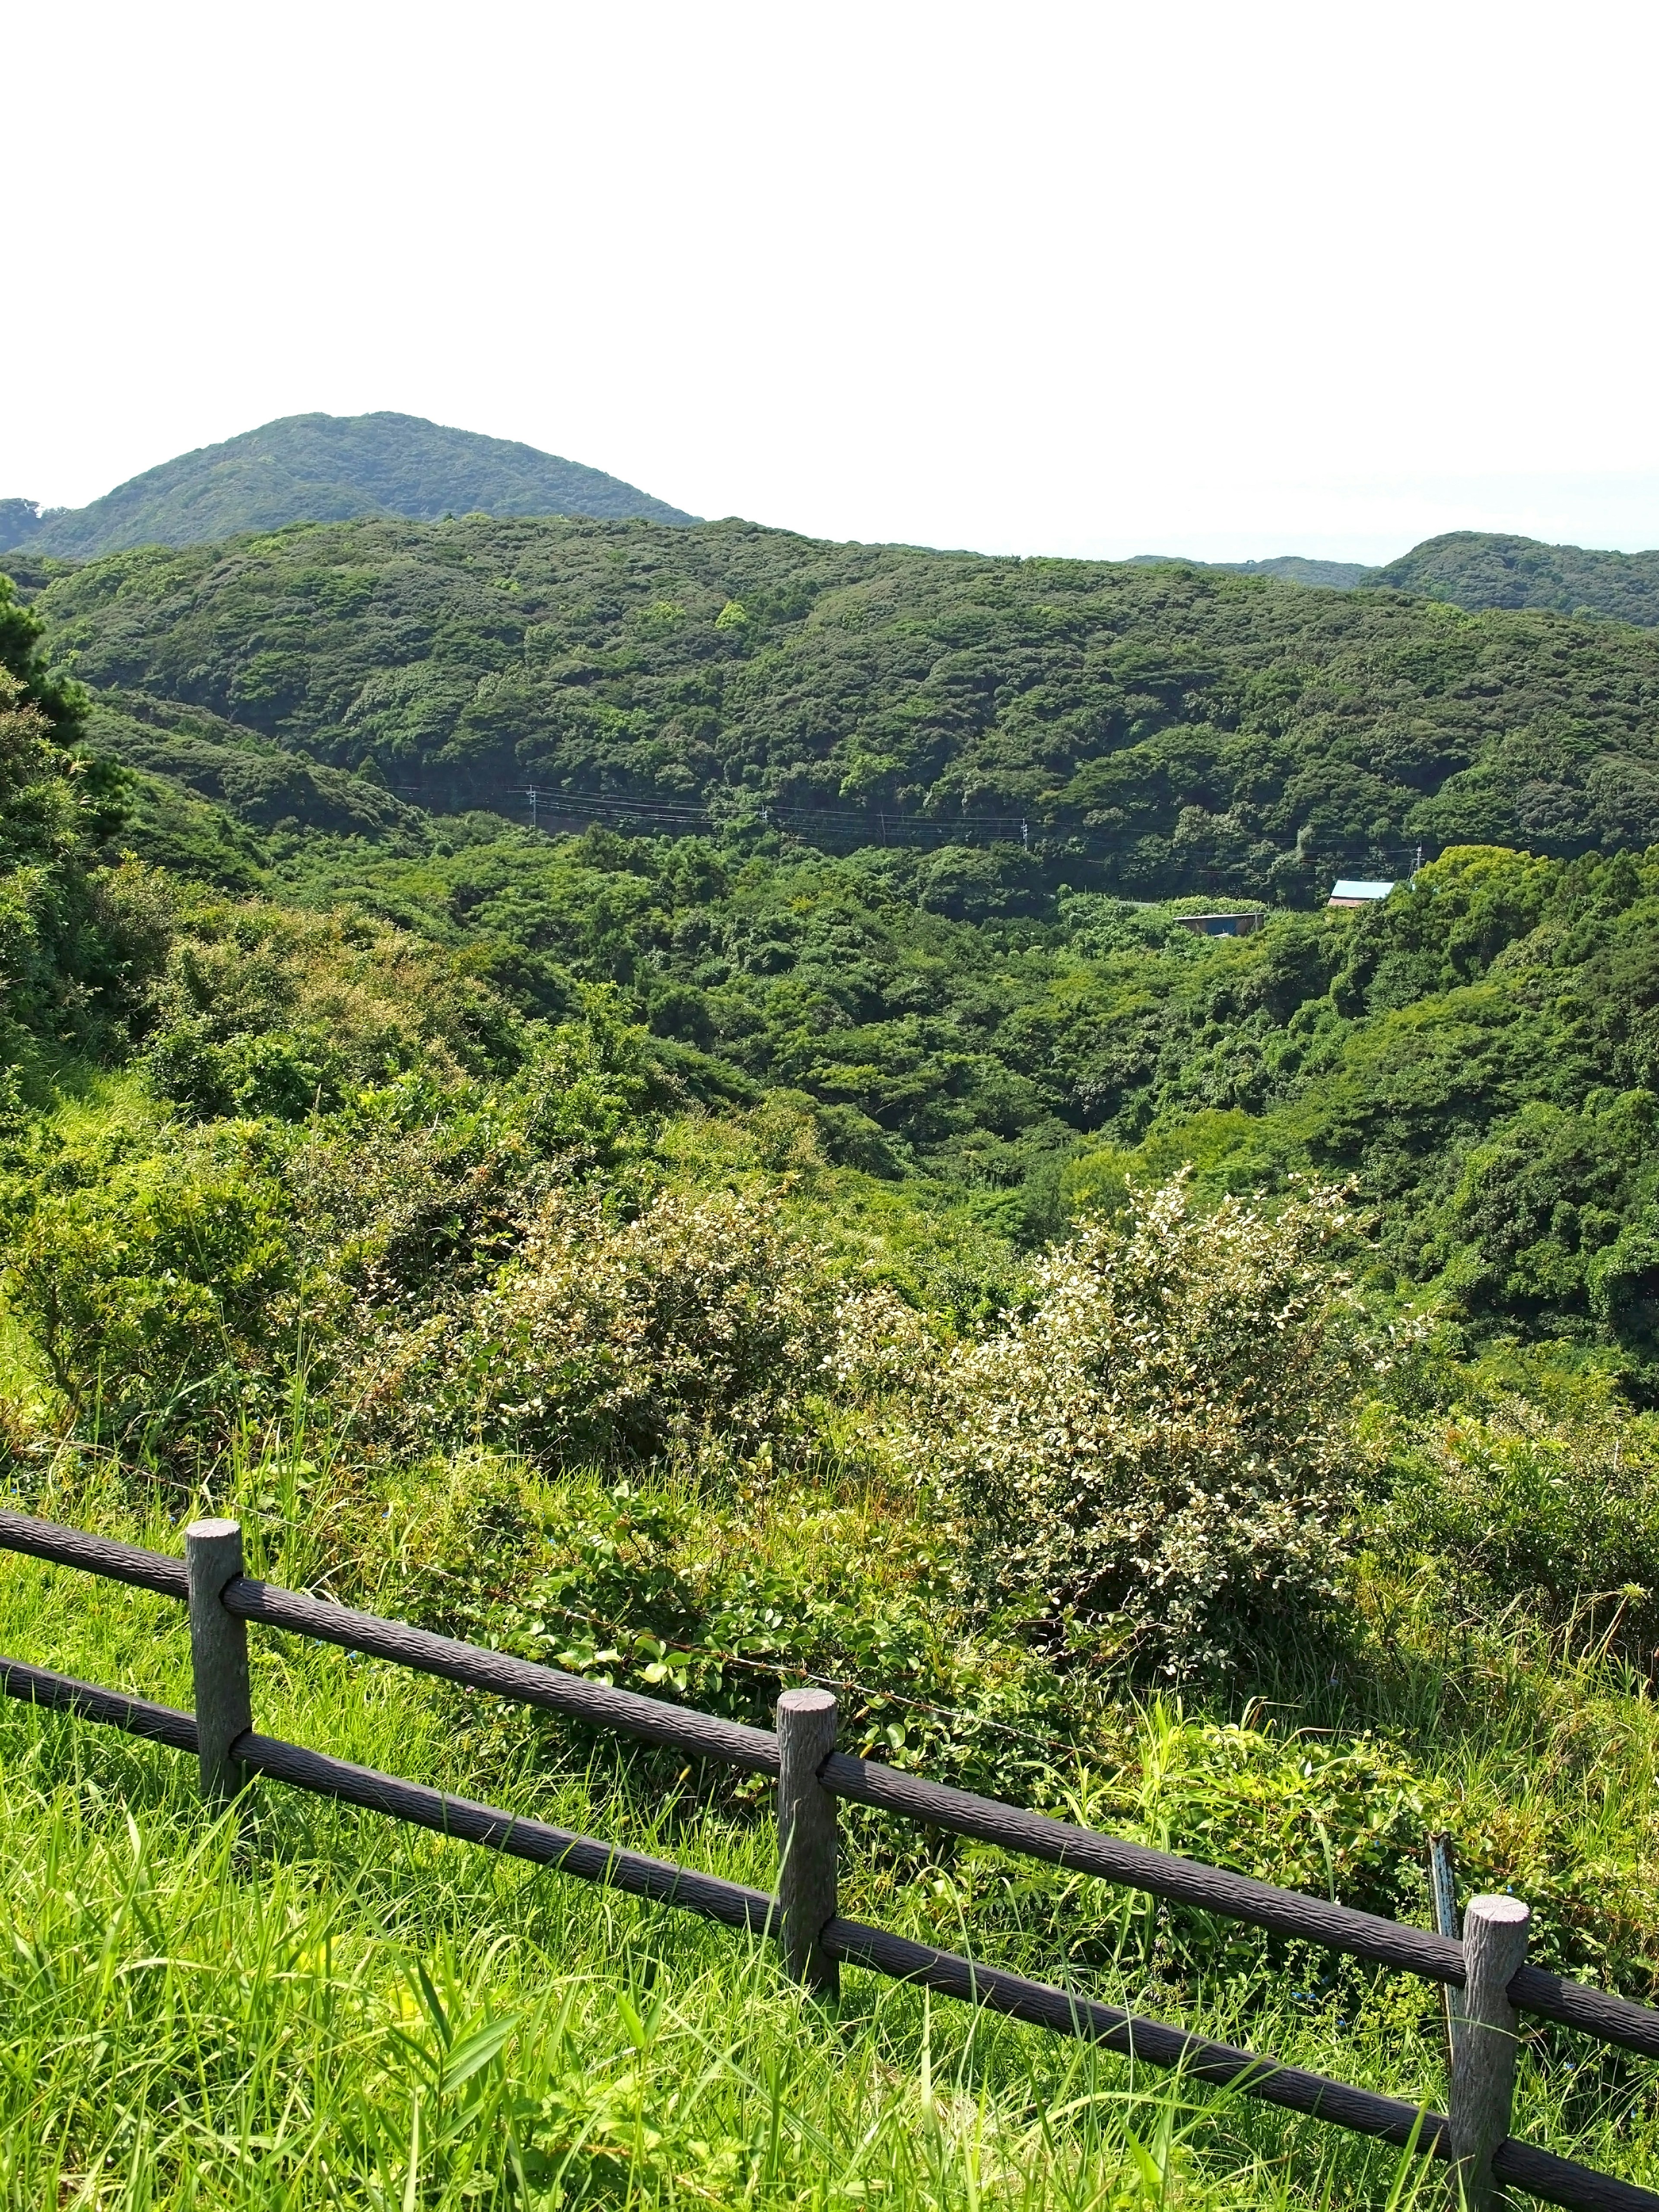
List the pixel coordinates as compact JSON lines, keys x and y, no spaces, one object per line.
{"x":261,"y":1010}
{"x":1552,"y":1513}
{"x":162,"y":1293}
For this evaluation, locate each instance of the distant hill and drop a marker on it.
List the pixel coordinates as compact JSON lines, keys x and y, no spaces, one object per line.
{"x":326,"y":468}
{"x":1286,"y":568}
{"x":1478,"y":568}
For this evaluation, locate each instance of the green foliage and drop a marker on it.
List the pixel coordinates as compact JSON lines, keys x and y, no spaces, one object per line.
{"x":1156,"y":729}
{"x":160,"y":1290}
{"x":648,"y":1584}
{"x":1484,"y":569}
{"x":262,"y":1011}
{"x":694,"y":1325}
{"x":1556,"y":1513}
{"x":662,"y":1257}
{"x":1479,"y":570}
{"x":60,"y":702}
{"x":321,"y":468}
{"x":258,"y":785}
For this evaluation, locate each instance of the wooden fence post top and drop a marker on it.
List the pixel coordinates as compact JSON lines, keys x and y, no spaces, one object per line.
{"x":1484,"y":2050}
{"x":210,"y":1528}
{"x":1499,"y":1907}
{"x":807,"y":1701}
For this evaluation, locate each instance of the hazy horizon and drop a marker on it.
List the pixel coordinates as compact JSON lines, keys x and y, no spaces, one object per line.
{"x":1083,"y":280}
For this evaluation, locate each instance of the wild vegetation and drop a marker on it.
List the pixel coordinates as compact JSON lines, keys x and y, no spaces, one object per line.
{"x":1145,"y":729}
{"x":1480,"y":569}
{"x":1199,"y":1384}
{"x":1488,"y":568}
{"x":322,"y":468}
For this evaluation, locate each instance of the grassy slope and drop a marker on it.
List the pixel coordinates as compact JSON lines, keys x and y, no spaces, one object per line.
{"x":199,"y":2017}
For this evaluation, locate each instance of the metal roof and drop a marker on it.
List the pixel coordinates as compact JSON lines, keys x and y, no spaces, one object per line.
{"x":1346,"y":889}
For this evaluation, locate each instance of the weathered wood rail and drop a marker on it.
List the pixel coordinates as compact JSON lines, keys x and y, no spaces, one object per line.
{"x":1485,"y":1971}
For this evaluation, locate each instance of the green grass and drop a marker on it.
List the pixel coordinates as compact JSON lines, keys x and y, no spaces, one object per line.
{"x":310,"y":2006}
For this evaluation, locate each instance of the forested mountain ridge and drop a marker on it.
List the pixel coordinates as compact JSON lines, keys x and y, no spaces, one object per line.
{"x":1286,"y":568}
{"x":1150,"y":729}
{"x":1478,"y":569}
{"x":322,"y":468}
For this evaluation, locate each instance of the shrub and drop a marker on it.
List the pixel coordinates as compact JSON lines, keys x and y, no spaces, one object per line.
{"x":159,"y":1295}
{"x":262,"y":1010}
{"x":603,"y":1338}
{"x":1556,"y":1509}
{"x":1162,"y":1434}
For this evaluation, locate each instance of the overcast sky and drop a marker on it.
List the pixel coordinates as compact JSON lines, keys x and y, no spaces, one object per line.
{"x":1225,"y":280}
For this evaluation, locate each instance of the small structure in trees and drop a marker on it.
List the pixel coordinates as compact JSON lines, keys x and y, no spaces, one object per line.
{"x":1221,"y":925}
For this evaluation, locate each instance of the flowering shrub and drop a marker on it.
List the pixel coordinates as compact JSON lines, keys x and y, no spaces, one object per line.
{"x":1162,"y":1434}
{"x":600,"y":1337}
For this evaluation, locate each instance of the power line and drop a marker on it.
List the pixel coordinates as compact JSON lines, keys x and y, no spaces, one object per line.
{"x":547,"y":807}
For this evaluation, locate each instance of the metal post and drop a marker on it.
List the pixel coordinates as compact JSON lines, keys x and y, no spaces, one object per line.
{"x":1484,"y":2045}
{"x":218,"y":1655}
{"x":806,"y":1838}
{"x":1443,"y":1890}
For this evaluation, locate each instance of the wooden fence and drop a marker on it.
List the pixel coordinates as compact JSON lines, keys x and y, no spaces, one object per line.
{"x":1484,"y":1974}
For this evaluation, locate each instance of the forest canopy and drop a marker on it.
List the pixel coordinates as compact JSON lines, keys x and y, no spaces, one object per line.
{"x":1153,"y":730}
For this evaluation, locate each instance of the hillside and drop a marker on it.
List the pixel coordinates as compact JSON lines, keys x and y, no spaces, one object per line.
{"x":1284,"y":568}
{"x":325,"y":468}
{"x":1151,"y":729}
{"x":1478,"y":569}
{"x":1202,"y":1386}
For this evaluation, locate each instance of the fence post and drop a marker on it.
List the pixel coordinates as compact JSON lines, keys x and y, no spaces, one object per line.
{"x":807,"y":1822}
{"x":218,"y":1655}
{"x":1484,"y":2045}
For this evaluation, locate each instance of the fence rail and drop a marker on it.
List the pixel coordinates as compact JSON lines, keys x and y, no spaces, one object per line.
{"x":805,"y":1916}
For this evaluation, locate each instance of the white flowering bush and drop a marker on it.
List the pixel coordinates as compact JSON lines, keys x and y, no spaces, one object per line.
{"x":701,"y":1318}
{"x":1163,"y":1433}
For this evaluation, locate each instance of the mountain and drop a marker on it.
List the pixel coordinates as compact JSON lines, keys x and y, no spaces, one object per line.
{"x":325,"y":468}
{"x":1150,"y":729}
{"x":1294,"y":568}
{"x":1478,"y":569}
{"x":1284,"y":568}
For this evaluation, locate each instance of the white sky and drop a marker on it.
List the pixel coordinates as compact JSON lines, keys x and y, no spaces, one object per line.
{"x":1222,"y":279}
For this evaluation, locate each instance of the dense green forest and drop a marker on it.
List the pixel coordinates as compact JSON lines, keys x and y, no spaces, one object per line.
{"x":1145,"y":729}
{"x":324,"y":468}
{"x":1203,"y":1385}
{"x":1485,"y":568}
{"x":1477,"y":569}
